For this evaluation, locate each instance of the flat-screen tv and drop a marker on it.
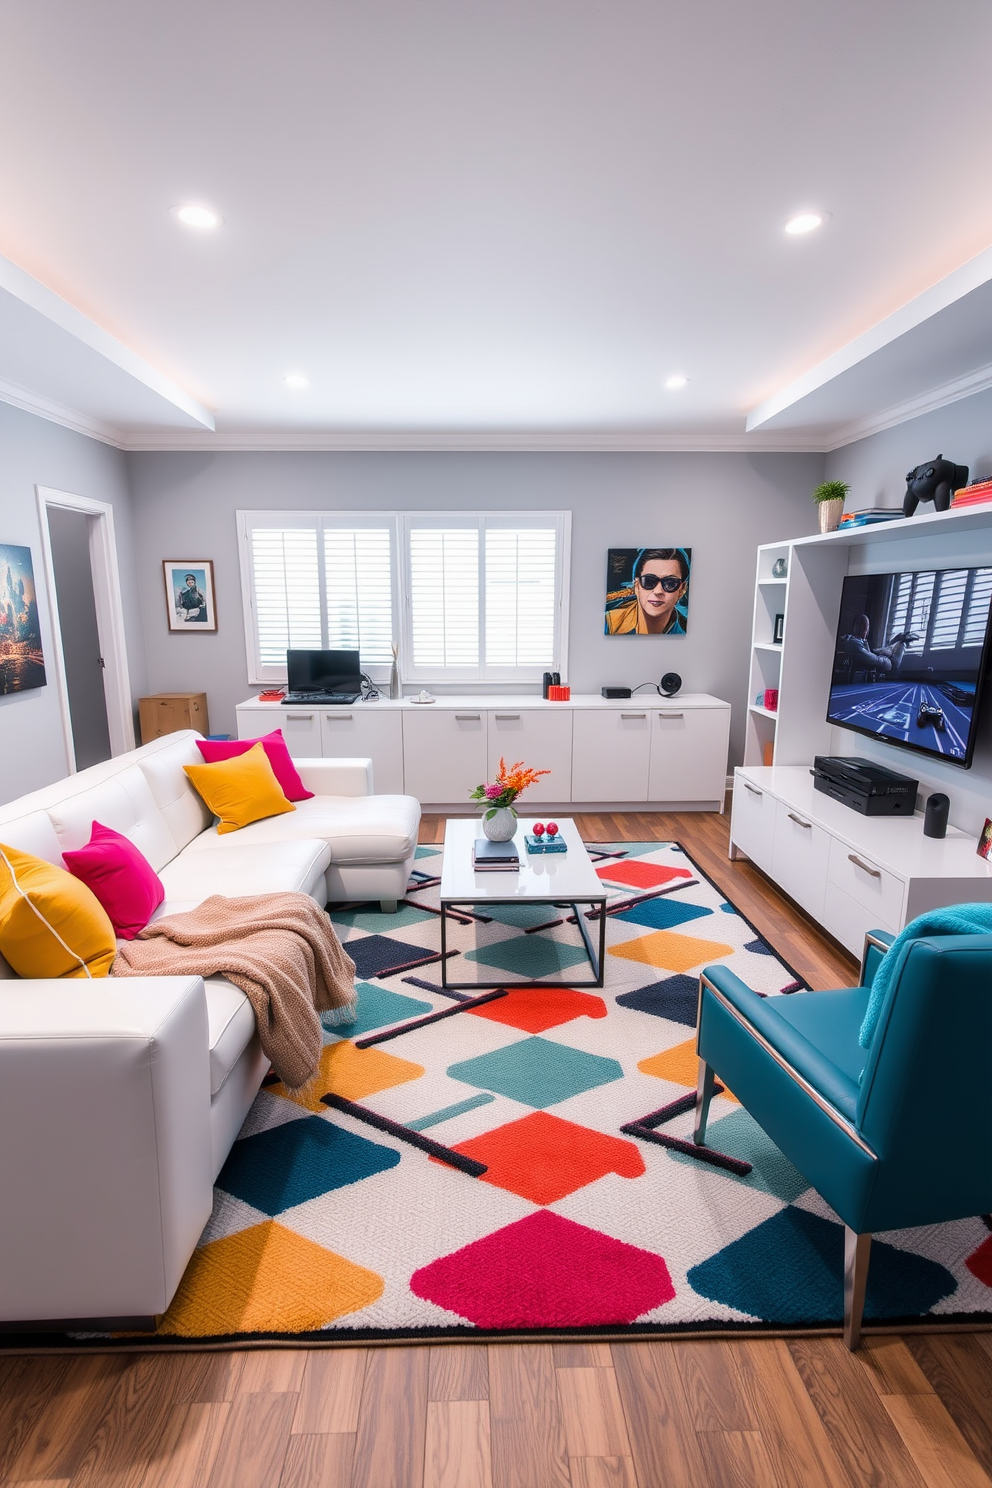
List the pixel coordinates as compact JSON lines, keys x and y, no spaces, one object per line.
{"x":323,"y":671}
{"x":910,"y":658}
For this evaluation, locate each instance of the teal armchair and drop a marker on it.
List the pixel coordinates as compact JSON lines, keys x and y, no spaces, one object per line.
{"x":862,"y":1125}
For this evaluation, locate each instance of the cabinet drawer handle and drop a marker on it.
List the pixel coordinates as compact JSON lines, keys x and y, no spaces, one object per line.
{"x":299,"y":718}
{"x":799,"y":821}
{"x":633,"y":715}
{"x":671,"y":715}
{"x":752,"y":788}
{"x":872,"y":872}
{"x":468,"y":717}
{"x":339,"y":717}
{"x":508,"y":717}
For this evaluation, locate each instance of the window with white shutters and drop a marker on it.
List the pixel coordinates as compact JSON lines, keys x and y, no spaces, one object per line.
{"x":465,"y":598}
{"x":976,"y":615}
{"x":948,"y":609}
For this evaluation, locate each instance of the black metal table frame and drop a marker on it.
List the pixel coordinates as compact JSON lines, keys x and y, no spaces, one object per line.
{"x":597,"y":958}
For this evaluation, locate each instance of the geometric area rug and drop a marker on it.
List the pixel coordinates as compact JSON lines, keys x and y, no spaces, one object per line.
{"x":331,"y":1225}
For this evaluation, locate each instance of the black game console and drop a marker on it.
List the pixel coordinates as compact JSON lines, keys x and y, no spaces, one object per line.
{"x":864,"y":786}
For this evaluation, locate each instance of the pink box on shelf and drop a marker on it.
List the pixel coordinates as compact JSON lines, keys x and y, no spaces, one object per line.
{"x":771,"y":699}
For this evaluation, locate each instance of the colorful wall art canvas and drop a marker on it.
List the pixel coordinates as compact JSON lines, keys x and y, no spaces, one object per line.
{"x":22,"y":661}
{"x":647,"y":591}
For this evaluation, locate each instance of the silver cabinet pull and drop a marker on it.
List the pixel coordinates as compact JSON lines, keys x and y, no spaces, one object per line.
{"x":339,"y":717}
{"x":468,"y":717}
{"x":507,"y":717}
{"x":872,"y":872}
{"x":752,"y":788}
{"x":799,"y":821}
{"x":671,"y":715}
{"x":633,"y":715}
{"x":299,"y":718}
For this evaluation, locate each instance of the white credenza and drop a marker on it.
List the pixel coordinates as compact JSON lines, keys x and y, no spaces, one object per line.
{"x":851,"y":873}
{"x":641,"y":753}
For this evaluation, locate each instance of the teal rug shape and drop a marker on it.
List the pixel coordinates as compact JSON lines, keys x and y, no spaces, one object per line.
{"x":537,"y":1072}
{"x":428,"y":852}
{"x":739,"y":1135}
{"x":378,"y":1008}
{"x":374,"y":922}
{"x":530,"y":956}
{"x":522,"y":916}
{"x":663,"y":914}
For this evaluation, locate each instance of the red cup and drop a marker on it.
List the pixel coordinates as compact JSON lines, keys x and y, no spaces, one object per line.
{"x":771,"y":699}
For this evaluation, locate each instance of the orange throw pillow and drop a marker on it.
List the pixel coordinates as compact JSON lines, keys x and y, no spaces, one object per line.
{"x":51,"y":924}
{"x":240,"y":790}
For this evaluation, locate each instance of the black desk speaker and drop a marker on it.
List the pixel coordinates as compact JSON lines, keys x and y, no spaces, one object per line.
{"x":935,"y":820}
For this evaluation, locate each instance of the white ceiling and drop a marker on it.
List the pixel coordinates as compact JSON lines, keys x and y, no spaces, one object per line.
{"x":469,"y":221}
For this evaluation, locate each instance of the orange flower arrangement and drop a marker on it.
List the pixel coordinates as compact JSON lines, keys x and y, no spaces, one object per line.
{"x":505,"y":789}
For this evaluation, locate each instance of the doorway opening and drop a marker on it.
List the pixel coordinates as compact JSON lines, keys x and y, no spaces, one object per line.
{"x":87,"y":626}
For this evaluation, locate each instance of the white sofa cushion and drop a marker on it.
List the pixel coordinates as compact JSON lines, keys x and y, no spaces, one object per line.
{"x":161,"y":763}
{"x":231,"y":1027}
{"x":124,"y":803}
{"x":244,"y":868}
{"x":33,"y":833}
{"x":358,"y":829}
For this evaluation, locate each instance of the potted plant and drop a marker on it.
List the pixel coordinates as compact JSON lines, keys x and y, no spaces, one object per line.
{"x":829,"y":497}
{"x":499,"y":821}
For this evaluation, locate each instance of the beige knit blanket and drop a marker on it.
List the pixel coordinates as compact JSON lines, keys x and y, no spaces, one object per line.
{"x":280,"y":949}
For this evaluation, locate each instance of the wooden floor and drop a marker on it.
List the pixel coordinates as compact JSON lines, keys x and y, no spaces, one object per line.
{"x":910,"y":1412}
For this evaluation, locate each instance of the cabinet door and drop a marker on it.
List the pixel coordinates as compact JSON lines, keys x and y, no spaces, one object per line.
{"x":752,"y":823}
{"x":800,"y":852}
{"x":359,"y":733}
{"x":689,"y":754}
{"x":300,"y":727}
{"x":444,"y":754}
{"x":543,"y":741}
{"x":610,"y":750}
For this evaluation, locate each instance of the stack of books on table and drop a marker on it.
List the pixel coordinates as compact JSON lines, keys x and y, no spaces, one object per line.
{"x":869,"y":515}
{"x":977,"y":494}
{"x":494,"y":857}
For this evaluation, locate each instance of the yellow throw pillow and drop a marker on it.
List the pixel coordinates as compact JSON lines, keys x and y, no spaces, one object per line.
{"x":51,"y":924}
{"x":240,"y":790}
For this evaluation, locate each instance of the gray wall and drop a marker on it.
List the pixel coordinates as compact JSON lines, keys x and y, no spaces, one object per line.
{"x":721,"y":506}
{"x":876,"y":469}
{"x":36,"y":452}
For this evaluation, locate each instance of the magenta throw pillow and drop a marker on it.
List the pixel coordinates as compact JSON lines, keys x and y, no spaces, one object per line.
{"x":276,"y":751}
{"x":120,"y":876}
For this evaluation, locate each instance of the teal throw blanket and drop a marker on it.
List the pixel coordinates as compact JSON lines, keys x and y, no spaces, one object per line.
{"x":957,"y":919}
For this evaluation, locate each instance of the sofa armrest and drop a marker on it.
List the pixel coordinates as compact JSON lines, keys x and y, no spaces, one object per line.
{"x":105,"y":1166}
{"x":336,"y":777}
{"x":877,"y":942}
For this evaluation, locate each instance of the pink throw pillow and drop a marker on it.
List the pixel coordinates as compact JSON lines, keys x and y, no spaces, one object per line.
{"x":120,"y":876}
{"x":277,"y":752}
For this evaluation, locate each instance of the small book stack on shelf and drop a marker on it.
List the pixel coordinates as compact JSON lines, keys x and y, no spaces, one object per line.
{"x":494,"y":857}
{"x":977,"y":494}
{"x":869,"y":515}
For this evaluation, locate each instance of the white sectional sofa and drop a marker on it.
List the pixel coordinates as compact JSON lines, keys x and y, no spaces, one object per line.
{"x":120,"y":1098}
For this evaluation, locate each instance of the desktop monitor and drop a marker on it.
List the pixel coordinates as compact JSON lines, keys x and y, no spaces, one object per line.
{"x":323,"y":671}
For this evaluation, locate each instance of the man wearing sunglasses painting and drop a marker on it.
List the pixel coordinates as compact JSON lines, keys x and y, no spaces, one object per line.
{"x":655,"y":602}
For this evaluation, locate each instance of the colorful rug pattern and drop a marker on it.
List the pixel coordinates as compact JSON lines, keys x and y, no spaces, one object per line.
{"x":326,"y":1226}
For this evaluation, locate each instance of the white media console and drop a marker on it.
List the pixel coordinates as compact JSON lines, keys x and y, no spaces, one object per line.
{"x":851,"y":873}
{"x":644,"y":753}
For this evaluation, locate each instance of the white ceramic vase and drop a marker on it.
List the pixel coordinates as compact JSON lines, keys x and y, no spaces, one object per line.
{"x":501,"y":826}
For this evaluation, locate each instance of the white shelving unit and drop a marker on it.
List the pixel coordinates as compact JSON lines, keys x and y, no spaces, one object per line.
{"x":770,"y":596}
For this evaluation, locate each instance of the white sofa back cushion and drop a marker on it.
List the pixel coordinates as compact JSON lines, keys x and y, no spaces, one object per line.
{"x":162,"y":763}
{"x":126,"y":805}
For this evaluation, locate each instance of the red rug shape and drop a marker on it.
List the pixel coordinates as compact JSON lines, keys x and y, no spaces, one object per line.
{"x":639,"y":875}
{"x":536,"y":1008}
{"x":546,"y":1272}
{"x":543,"y":1158}
{"x":979,"y":1263}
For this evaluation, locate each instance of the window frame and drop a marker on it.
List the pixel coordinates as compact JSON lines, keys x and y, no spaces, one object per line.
{"x":475,"y":678}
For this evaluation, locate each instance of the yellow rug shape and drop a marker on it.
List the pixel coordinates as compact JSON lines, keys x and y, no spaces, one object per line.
{"x":352,"y":1073}
{"x":670,"y":951}
{"x":679,"y":1064}
{"x":267,"y":1279}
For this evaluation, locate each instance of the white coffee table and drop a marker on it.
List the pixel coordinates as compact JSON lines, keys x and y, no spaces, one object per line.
{"x":543,"y":878}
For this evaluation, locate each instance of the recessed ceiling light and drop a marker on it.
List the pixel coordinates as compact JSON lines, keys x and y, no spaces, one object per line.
{"x":805,"y":222}
{"x":296,"y":380}
{"x":676,"y":381}
{"x":192,"y":214}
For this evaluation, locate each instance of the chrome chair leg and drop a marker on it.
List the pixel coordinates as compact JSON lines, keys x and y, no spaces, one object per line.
{"x":704,"y":1094}
{"x":857,"y":1249}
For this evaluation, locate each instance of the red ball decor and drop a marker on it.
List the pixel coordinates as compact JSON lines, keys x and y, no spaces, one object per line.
{"x":552,"y":829}
{"x":538,"y":829}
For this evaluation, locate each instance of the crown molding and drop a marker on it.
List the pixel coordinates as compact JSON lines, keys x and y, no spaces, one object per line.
{"x":900,"y":413}
{"x":529,"y":441}
{"x":57,"y":413}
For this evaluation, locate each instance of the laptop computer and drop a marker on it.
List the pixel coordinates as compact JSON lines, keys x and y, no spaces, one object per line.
{"x":323,"y":677}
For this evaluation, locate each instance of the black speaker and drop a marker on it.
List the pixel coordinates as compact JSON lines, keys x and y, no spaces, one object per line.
{"x":935,"y":820}
{"x":670,"y":684}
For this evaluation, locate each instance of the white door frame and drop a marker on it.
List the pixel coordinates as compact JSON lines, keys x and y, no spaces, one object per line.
{"x":109,"y":616}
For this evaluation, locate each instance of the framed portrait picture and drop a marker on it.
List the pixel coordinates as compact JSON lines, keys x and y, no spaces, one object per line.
{"x":189,"y":595}
{"x":22,"y":662}
{"x":647,"y":591}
